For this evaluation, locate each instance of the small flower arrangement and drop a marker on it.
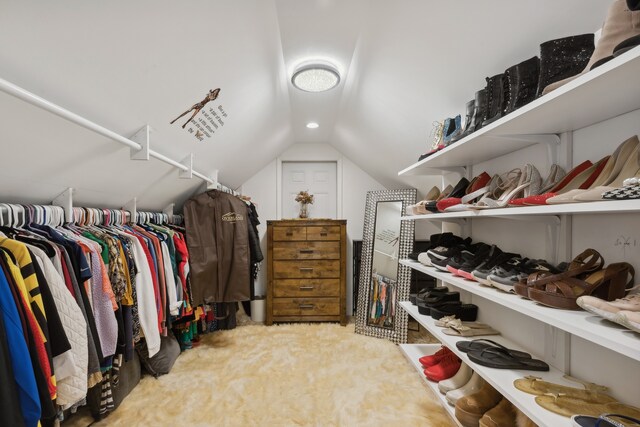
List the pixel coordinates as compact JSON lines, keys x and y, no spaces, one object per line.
{"x":305,"y":198}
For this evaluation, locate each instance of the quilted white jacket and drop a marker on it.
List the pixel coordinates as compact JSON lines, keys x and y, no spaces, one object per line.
{"x":70,"y":367}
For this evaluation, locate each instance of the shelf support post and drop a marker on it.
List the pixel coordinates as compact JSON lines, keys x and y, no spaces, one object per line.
{"x":142,"y":137}
{"x":557,"y":348}
{"x":214,"y":177}
{"x":65,"y":200}
{"x":550,"y":140}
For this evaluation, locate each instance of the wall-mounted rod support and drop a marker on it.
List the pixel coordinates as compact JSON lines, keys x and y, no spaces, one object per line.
{"x":65,"y":200}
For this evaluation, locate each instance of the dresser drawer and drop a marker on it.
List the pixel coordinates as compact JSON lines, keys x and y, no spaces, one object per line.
{"x":306,"y":250}
{"x":306,"y":269}
{"x":327,"y":232}
{"x":289,"y":233}
{"x":306,"y":306}
{"x":306,"y":288}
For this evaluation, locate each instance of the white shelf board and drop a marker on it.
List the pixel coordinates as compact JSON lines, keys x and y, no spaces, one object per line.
{"x":598,"y":95}
{"x":413,"y":352}
{"x":501,"y":379}
{"x":609,"y":206}
{"x":579,"y":323}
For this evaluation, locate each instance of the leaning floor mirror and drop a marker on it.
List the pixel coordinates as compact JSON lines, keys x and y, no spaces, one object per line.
{"x":383,"y":281}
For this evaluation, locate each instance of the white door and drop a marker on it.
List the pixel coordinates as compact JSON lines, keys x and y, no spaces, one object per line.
{"x":319,"y":179}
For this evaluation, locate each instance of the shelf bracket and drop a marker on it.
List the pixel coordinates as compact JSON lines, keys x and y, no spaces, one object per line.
{"x":142,"y":137}
{"x":549,"y":220}
{"x":214,"y":177}
{"x":557,"y":348}
{"x":550,"y":140}
{"x":188,"y":162}
{"x":132,"y":208}
{"x":65,"y":200}
{"x":460,"y":170}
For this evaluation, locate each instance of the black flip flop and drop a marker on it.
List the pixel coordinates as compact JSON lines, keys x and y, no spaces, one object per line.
{"x":482,"y":344}
{"x":495,"y":357}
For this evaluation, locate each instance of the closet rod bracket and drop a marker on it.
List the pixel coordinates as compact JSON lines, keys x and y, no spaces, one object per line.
{"x":213,"y":185}
{"x":65,"y":200}
{"x":132,"y":208}
{"x":188,"y":163}
{"x":142,"y":137}
{"x":169,"y":209}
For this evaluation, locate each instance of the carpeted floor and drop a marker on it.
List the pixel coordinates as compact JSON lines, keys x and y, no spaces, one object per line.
{"x":286,"y":375}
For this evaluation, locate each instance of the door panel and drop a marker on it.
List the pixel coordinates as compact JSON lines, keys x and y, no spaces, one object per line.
{"x":319,"y":179}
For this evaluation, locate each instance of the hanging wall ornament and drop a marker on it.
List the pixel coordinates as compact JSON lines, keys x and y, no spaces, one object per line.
{"x":206,"y":118}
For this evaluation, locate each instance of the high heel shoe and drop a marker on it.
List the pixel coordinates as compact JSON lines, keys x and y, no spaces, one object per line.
{"x":418,"y":208}
{"x":585,"y":263}
{"x":512,"y":187}
{"x":436,"y":137}
{"x":562,"y":292}
{"x":431,"y":205}
{"x":576,"y":174}
{"x":477,"y":183}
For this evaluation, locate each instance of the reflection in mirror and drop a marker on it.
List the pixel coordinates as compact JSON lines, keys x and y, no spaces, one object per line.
{"x":384,"y":274}
{"x":384,"y":282}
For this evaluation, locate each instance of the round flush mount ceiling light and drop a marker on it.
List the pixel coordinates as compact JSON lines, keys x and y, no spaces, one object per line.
{"x":315,"y":77}
{"x":313,"y":125}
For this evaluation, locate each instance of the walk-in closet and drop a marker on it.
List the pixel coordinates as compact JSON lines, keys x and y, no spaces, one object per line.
{"x":320,"y":213}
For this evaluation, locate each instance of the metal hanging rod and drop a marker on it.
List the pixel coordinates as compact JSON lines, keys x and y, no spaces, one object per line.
{"x":42,"y":103}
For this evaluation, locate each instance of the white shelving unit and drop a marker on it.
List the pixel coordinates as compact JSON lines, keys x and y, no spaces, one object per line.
{"x":501,"y":379}
{"x":609,"y":206}
{"x":580,"y":323}
{"x":600,"y":94}
{"x":597,"y":96}
{"x":413,"y":352}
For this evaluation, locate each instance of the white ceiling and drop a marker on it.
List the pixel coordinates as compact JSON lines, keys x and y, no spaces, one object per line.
{"x":124,"y":64}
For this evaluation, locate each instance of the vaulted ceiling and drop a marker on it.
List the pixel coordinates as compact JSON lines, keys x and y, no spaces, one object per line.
{"x":125,"y":64}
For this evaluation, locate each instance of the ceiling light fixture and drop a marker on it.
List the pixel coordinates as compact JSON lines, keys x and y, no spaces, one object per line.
{"x":313,"y":125}
{"x":315,"y":77}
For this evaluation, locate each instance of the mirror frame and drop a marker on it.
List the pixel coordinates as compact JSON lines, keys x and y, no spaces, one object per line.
{"x":397,"y":334}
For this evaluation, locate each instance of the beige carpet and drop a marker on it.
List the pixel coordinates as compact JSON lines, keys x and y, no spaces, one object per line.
{"x":286,"y":375}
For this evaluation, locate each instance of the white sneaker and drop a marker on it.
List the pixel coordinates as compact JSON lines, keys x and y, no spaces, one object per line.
{"x":424,"y":259}
{"x":458,"y":380}
{"x":474,"y":384}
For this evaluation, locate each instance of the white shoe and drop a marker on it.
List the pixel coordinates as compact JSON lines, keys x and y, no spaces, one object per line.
{"x":458,"y":380}
{"x":474,"y":384}
{"x":424,"y":259}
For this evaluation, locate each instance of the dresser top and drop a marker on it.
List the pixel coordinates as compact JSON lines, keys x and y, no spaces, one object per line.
{"x":307,"y":221}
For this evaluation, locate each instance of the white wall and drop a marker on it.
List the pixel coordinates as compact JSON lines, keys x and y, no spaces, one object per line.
{"x":262,"y":188}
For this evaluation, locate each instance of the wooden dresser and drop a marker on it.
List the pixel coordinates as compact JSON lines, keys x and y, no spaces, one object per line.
{"x":306,"y":271}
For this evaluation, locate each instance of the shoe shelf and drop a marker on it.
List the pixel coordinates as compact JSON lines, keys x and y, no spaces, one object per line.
{"x":579,"y":323}
{"x":501,"y":379}
{"x":609,"y":206}
{"x":606,"y":92}
{"x":413,"y":352}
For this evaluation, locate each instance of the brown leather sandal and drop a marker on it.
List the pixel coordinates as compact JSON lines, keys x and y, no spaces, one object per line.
{"x":562,"y":292}
{"x":587,"y":262}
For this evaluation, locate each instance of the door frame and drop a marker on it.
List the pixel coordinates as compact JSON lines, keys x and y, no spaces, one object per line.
{"x":338,"y":163}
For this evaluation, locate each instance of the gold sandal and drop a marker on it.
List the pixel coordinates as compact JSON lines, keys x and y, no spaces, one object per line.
{"x":591,"y":392}
{"x":569,"y":406}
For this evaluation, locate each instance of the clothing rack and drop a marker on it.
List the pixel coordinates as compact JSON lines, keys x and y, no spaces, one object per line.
{"x":139,"y":143}
{"x":19,"y":215}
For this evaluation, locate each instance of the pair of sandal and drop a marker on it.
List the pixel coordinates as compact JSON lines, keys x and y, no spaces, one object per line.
{"x":456,"y":327}
{"x":591,"y":400}
{"x":494,"y":355}
{"x":585,"y":276}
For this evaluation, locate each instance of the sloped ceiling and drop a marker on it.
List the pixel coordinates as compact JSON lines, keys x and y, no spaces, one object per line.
{"x":124,"y":64}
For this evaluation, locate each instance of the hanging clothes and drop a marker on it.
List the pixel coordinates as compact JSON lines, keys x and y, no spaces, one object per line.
{"x":218,"y":242}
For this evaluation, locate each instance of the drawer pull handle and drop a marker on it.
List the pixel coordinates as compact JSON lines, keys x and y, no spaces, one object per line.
{"x":289,"y":233}
{"x":324,"y":234}
{"x":307,"y":306}
{"x":306,"y":288}
{"x":306,"y":251}
{"x":306,"y":269}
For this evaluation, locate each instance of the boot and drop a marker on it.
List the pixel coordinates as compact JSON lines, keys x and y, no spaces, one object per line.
{"x":633,"y":41}
{"x":467,"y":122}
{"x":451,"y":130}
{"x":522,"y":82}
{"x":495,"y":97}
{"x":479,"y":111}
{"x":621,"y":24}
{"x":562,"y":58}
